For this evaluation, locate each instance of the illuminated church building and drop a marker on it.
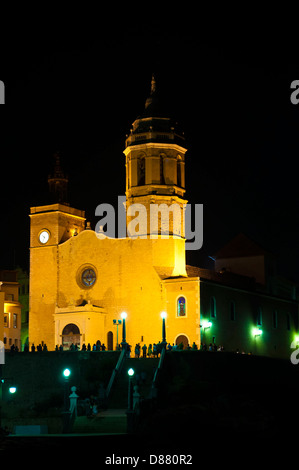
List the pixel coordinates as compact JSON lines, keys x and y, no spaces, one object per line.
{"x":80,"y":283}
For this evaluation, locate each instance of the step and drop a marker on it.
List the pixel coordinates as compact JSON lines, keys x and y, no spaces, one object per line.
{"x":119,"y":392}
{"x":109,"y":421}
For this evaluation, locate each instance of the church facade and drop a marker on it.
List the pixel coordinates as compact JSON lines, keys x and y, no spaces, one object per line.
{"x":80,"y":283}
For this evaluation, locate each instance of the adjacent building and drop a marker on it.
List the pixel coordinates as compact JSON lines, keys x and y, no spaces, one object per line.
{"x":10,"y":310}
{"x":245,"y":306}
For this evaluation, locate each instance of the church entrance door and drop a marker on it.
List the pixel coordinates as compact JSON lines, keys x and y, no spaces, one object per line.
{"x":70,"y":335}
{"x":110,"y":340}
{"x":182,"y":339}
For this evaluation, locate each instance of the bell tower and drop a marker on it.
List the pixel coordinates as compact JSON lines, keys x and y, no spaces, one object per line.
{"x":50,"y":226}
{"x":155,"y":171}
{"x":58,"y":183}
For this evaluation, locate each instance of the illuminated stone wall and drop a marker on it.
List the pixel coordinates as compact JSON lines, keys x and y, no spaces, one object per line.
{"x":129,"y":277}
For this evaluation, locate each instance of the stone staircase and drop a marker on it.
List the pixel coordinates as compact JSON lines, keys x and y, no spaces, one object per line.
{"x":144,"y":369}
{"x":114,"y":419}
{"x":106,"y":422}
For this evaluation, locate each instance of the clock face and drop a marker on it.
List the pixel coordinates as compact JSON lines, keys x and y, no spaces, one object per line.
{"x":44,"y":236}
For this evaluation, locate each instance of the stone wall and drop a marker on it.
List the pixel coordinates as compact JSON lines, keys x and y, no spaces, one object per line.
{"x":40,"y":382}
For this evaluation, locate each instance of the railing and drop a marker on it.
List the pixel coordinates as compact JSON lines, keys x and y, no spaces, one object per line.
{"x":157,"y":373}
{"x":152,"y":135}
{"x":115,"y":371}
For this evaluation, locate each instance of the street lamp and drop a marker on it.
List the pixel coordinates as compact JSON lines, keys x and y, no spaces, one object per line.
{"x":164,"y":342}
{"x":257,"y":332}
{"x":12,"y":390}
{"x":66,"y":413}
{"x":206,"y":324}
{"x":124,"y":342}
{"x":130,"y":411}
{"x":117,"y":323}
{"x":66,"y":374}
{"x":131,"y":372}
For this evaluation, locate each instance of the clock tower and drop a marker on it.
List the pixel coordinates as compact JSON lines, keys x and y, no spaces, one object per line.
{"x":50,"y":226}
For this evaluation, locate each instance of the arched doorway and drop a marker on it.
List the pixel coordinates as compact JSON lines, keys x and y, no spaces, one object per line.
{"x":110,"y":340}
{"x":70,"y":335}
{"x":182,"y":339}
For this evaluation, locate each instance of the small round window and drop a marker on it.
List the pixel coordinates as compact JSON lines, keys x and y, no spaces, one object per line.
{"x":88,"y":277}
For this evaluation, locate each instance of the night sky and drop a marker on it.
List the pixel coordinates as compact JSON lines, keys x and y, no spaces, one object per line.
{"x":78,"y":90}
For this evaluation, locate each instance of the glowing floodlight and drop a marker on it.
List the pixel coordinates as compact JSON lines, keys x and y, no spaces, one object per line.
{"x":131,"y":372}
{"x":163,"y":315}
{"x":123,"y":315}
{"x":12,"y":389}
{"x":257,"y":332}
{"x":206,"y":324}
{"x":66,"y":373}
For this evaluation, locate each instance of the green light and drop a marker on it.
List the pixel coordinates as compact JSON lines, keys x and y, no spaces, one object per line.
{"x":131,"y":372}
{"x":66,"y":373}
{"x":206,"y":324}
{"x":12,"y":389}
{"x":257,"y":332}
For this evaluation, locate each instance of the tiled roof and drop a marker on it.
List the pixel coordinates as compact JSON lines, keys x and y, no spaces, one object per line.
{"x":240,"y":246}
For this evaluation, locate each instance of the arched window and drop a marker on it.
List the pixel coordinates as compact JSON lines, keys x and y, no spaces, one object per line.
{"x":110,"y":341}
{"x":232,"y":307}
{"x":179,"y":174}
{"x":259,"y":320}
{"x":141,"y":171}
{"x":181,"y":307}
{"x":213,"y":307}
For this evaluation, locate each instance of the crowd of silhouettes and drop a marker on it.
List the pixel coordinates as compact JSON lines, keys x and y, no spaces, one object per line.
{"x":152,"y":350}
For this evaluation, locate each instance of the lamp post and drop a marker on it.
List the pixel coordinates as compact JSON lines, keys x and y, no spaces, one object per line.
{"x":130,"y":411}
{"x":131,"y":372}
{"x":117,"y":323}
{"x":66,"y":374}
{"x":124,"y":342}
{"x":164,"y":342}
{"x":66,"y":414}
